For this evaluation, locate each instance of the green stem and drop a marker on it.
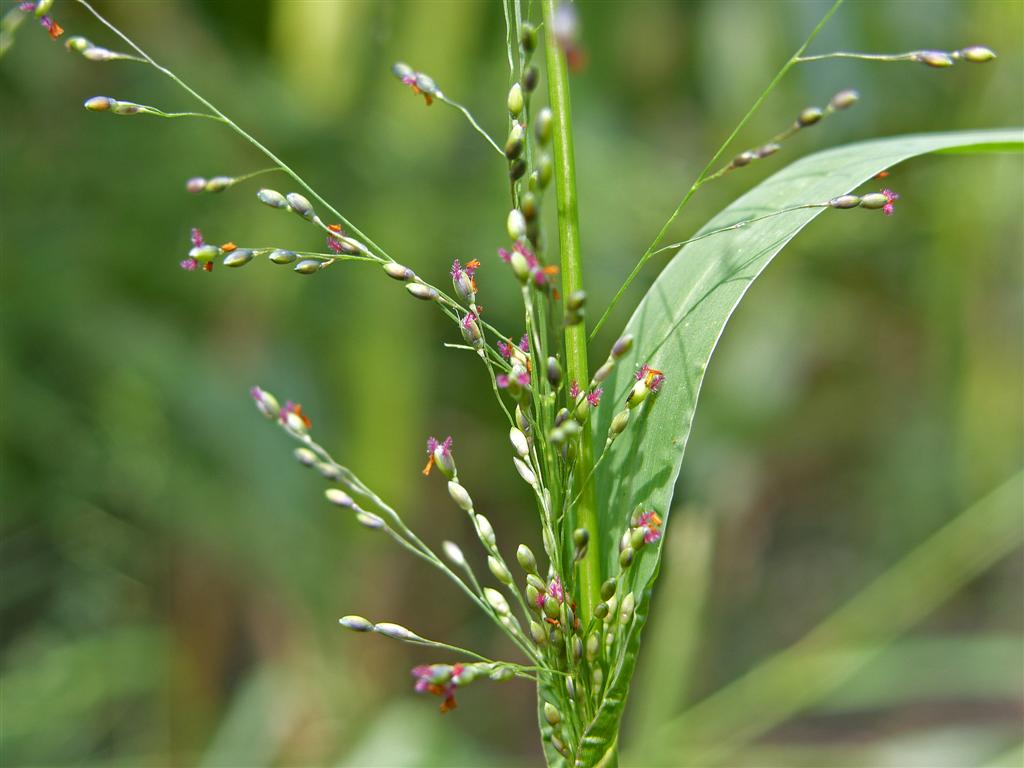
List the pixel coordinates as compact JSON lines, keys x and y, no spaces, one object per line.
{"x":703,"y":176}
{"x":572,"y":280}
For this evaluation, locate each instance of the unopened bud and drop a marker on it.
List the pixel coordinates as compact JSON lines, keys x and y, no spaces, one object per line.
{"x":530,"y":79}
{"x":552,"y":608}
{"x":304,"y":456}
{"x":577,"y":648}
{"x":514,"y":142}
{"x":545,"y":168}
{"x":238,"y":257}
{"x":603,"y":372}
{"x":575,"y":300}
{"x":534,"y":580}
{"x":526,"y":559}
{"x":195,"y":185}
{"x":395,"y":631}
{"x":766,"y":150}
{"x":454,"y":553}
{"x":497,"y":601}
{"x":844,"y":99}
{"x":339,"y":498}
{"x":499,"y":570}
{"x":219,"y":183}
{"x":809,"y":116}
{"x":626,"y":610}
{"x":369,"y":520}
{"x":522,"y":421}
{"x":581,"y":542}
{"x":516,"y":171}
{"x":398,"y":271}
{"x":638,"y":394}
{"x":593,"y":645}
{"x":426,"y":84}
{"x":551,"y":714}
{"x":542,"y":126}
{"x":400,"y":70}
{"x":845,"y":201}
{"x":99,"y":103}
{"x":77,"y":44}
{"x":421,"y":291}
{"x":307,"y":266}
{"x":608,"y":589}
{"x":977,"y":54}
{"x":873,"y":200}
{"x":126,"y":107}
{"x":328,"y":470}
{"x":538,"y":633}
{"x":601,"y":610}
{"x":484,"y":530}
{"x":626,"y":557}
{"x":743,"y":158}
{"x":356,"y":623}
{"x":528,"y":37}
{"x":570,"y":688}
{"x":622,"y":346}
{"x":519,"y":442}
{"x":516,"y":224}
{"x":300,"y":205}
{"x":525,"y":472}
{"x":637,"y":538}
{"x":520,"y":267}
{"x":272,"y":197}
{"x":460,"y":496}
{"x":554,"y":371}
{"x":515,"y":99}
{"x":937,"y":59}
{"x":618,"y":424}
{"x":528,"y":205}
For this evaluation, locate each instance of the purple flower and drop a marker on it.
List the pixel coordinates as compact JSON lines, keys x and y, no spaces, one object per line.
{"x":594,"y":397}
{"x":504,"y":348}
{"x":189,"y":264}
{"x":652,"y":376}
{"x":888,"y":209}
{"x":197,"y":237}
{"x":524,"y":344}
{"x":652,"y":522}
{"x":501,"y":380}
{"x":574,"y":390}
{"x":439,"y":453}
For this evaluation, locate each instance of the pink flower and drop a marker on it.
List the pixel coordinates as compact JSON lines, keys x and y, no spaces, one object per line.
{"x":555,"y":590}
{"x":504,"y":348}
{"x":652,"y":376}
{"x":652,"y":522}
{"x":888,"y":209}
{"x":595,"y":396}
{"x":438,"y":453}
{"x":501,"y":380}
{"x":440,"y":680}
{"x":524,"y":344}
{"x":290,"y":409}
{"x":574,"y":390}
{"x":189,"y":264}
{"x":197,"y":237}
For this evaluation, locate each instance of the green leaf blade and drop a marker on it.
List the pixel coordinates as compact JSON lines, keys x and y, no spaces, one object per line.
{"x":678,"y":323}
{"x":677,"y":326}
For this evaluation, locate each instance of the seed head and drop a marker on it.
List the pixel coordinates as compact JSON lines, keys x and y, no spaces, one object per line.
{"x":809,"y":116}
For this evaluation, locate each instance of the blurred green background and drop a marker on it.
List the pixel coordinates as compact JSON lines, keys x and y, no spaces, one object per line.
{"x":171,"y":579}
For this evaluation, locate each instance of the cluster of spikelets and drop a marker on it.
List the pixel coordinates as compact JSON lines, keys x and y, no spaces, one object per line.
{"x":549,"y":413}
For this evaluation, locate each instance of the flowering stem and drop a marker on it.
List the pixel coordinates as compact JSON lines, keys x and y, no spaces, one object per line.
{"x":472,"y":121}
{"x":704,"y":174}
{"x":911,"y":56}
{"x":218,"y":115}
{"x":572,"y":280}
